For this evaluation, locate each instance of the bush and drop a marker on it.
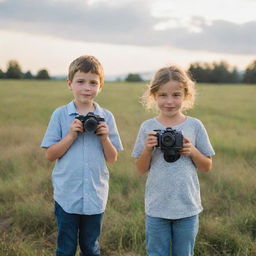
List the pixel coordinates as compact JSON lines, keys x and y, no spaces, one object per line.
{"x":133,"y":78}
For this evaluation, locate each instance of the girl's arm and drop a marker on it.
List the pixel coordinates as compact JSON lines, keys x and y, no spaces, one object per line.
{"x":143,"y":161}
{"x":109,"y":149}
{"x":202,"y":162}
{"x":60,"y":148}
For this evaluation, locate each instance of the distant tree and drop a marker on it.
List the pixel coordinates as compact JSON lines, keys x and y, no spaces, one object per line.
{"x":220,"y":72}
{"x":118,"y":79}
{"x":2,"y":74}
{"x":43,"y":74}
{"x":133,"y":78}
{"x":28,"y":75}
{"x":216,"y":72}
{"x":235,"y":77}
{"x":200,"y":71}
{"x":13,"y":70}
{"x":250,"y":74}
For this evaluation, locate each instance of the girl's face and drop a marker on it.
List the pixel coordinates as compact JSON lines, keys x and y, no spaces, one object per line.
{"x":169,"y":98}
{"x":85,"y":87}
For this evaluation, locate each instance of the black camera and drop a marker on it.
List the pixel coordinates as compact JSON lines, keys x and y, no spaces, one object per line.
{"x":170,"y":142}
{"x":90,"y":121}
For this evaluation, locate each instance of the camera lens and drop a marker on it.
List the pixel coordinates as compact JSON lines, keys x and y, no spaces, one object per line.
{"x":90,"y":125}
{"x":168,"y":139}
{"x":171,"y":155}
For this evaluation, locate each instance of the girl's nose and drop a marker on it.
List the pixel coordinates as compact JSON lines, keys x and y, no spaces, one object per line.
{"x":169,"y":99}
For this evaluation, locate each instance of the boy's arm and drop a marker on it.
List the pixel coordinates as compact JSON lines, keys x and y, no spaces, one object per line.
{"x":202,"y":162}
{"x":60,"y":148}
{"x":109,"y":149}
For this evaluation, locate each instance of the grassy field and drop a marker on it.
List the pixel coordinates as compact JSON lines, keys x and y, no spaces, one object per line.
{"x":27,"y":225}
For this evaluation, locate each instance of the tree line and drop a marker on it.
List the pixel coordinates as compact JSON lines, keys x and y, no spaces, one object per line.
{"x":215,"y":72}
{"x":201,"y":72}
{"x":14,"y":71}
{"x":222,"y":72}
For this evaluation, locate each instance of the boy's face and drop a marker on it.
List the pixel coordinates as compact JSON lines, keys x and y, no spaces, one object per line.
{"x":85,"y":87}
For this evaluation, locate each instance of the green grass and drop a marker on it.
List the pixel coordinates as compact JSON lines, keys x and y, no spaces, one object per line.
{"x":27,"y":225}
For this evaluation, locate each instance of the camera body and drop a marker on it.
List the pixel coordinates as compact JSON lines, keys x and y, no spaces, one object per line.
{"x":170,"y":141}
{"x":90,"y":121}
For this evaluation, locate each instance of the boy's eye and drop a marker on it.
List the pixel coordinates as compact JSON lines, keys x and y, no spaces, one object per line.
{"x":94,"y":82}
{"x":162,"y":94}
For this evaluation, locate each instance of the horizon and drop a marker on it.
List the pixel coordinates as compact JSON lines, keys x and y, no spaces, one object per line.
{"x":145,"y":75}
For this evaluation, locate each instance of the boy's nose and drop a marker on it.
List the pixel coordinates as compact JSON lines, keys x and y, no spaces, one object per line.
{"x":87,"y":87}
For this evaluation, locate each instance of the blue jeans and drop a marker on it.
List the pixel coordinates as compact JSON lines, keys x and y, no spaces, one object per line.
{"x":74,"y":227}
{"x":164,"y":234}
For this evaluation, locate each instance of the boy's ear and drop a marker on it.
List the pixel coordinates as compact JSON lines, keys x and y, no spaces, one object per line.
{"x":69,"y":84}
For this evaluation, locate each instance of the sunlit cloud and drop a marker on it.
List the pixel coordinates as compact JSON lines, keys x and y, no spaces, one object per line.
{"x":182,"y":30}
{"x":235,"y":11}
{"x":135,"y":23}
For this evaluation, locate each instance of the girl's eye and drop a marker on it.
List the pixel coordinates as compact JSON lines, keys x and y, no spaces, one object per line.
{"x":162,"y":95}
{"x":177,"y":95}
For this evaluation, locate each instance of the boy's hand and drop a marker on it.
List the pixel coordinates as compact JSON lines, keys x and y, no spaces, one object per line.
{"x":75,"y":127}
{"x":151,"y":141}
{"x":188,"y":147}
{"x":102,"y":130}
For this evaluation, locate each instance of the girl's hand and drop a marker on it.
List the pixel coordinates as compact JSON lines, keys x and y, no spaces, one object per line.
{"x":202,"y":162}
{"x":151,"y":141}
{"x":102,"y":130}
{"x":188,"y":147}
{"x":75,"y":127}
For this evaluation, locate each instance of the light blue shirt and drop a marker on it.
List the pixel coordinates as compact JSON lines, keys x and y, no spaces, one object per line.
{"x":80,"y":177}
{"x":172,"y":189}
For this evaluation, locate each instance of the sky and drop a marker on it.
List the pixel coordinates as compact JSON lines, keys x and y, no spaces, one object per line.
{"x":126,"y":35}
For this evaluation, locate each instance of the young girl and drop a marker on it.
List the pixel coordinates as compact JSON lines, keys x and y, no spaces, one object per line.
{"x":172,"y":196}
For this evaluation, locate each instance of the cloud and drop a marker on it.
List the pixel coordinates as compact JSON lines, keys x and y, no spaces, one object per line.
{"x":129,"y":23}
{"x":219,"y":36}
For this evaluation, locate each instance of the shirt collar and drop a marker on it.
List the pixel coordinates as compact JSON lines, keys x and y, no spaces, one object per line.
{"x":98,"y":109}
{"x":72,"y":108}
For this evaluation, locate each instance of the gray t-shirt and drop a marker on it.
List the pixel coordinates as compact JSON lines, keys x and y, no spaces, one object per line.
{"x":172,"y":189}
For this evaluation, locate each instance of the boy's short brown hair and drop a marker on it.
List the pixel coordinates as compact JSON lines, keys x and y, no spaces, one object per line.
{"x":86,"y":63}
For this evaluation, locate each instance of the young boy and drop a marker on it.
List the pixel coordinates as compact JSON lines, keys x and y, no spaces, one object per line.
{"x":80,"y":176}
